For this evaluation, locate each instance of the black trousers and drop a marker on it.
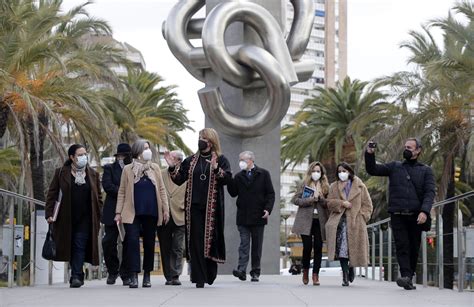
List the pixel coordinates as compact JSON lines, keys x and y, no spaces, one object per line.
{"x":313,"y":242}
{"x":247,"y":234}
{"x":109,"y":246}
{"x":147,"y":224}
{"x":407,"y":235}
{"x":171,"y":239}
{"x":203,"y":270}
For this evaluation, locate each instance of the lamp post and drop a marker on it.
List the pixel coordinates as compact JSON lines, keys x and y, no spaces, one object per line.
{"x":285,"y":215}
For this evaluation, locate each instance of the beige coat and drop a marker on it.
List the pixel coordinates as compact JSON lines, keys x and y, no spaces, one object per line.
{"x":304,"y":215}
{"x":357,"y":218}
{"x":125,"y":202}
{"x":175,"y":195}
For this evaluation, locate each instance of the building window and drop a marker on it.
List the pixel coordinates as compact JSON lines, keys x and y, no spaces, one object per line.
{"x":319,"y":13}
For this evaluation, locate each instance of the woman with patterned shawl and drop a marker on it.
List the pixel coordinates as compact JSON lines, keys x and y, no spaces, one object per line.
{"x":206,"y":172}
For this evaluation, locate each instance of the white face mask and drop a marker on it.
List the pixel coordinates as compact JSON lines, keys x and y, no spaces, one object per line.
{"x":147,"y":154}
{"x":343,"y":176}
{"x":243,"y":165}
{"x":81,"y":161}
{"x":315,"y":176}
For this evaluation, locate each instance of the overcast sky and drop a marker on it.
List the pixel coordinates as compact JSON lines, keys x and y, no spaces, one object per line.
{"x":375,"y":30}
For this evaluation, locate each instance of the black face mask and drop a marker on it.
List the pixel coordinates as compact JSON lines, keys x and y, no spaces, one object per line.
{"x":407,"y":154}
{"x":202,"y":145}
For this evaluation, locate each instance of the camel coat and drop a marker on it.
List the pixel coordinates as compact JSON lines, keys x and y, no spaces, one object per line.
{"x":125,"y":202}
{"x":356,"y":217}
{"x":175,"y":197}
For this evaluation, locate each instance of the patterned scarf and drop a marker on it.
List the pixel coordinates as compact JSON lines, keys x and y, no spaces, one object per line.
{"x":141,"y":168}
{"x":79,"y":174}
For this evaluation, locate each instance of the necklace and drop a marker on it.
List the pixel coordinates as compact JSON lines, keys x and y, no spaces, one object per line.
{"x":203,"y":176}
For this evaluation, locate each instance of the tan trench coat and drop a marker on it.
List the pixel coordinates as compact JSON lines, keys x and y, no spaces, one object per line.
{"x":357,"y":218}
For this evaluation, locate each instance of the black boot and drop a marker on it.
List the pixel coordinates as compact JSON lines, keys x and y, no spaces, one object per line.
{"x":351,"y":274}
{"x":133,"y":280}
{"x":146,"y":280}
{"x":345,"y":278}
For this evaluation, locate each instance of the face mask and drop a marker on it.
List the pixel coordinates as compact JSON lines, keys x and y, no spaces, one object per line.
{"x":147,"y":154}
{"x":243,"y":165}
{"x":407,"y":154}
{"x":315,"y":176}
{"x":81,"y":161}
{"x":202,"y":145}
{"x":343,"y":176}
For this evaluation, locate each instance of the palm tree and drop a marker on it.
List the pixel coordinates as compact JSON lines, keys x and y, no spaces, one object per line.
{"x":145,"y":109}
{"x":46,"y":72}
{"x":334,"y":125}
{"x":442,"y":85}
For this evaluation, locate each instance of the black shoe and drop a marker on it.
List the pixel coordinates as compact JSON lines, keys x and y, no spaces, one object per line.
{"x":146,"y":280}
{"x":168,"y":283}
{"x":254,"y":278}
{"x":111,"y":279}
{"x":351,"y":274}
{"x":405,"y":283}
{"x":200,"y":285}
{"x":240,"y":275}
{"x":175,"y":282}
{"x":133,"y":281}
{"x":126,"y":281}
{"x":345,"y":279}
{"x":75,"y":283}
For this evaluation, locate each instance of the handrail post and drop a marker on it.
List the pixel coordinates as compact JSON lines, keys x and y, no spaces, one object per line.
{"x":389,"y":252}
{"x":380,"y":253}
{"x":373,"y":253}
{"x":11,"y":257}
{"x":439,"y":218}
{"x":424,"y":257}
{"x":460,"y":243}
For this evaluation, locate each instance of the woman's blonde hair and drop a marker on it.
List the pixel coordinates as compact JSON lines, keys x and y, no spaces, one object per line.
{"x":323,"y":180}
{"x":211,"y":135}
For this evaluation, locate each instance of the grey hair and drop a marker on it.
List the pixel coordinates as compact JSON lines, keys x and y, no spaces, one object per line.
{"x":178,"y":154}
{"x":417,"y":141}
{"x":138,"y":147}
{"x":249,"y":154}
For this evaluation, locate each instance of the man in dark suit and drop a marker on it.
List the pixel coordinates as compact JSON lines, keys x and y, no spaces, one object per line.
{"x":255,"y":197}
{"x":111,"y":183}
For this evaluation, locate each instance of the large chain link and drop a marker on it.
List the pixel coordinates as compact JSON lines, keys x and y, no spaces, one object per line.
{"x":275,"y":65}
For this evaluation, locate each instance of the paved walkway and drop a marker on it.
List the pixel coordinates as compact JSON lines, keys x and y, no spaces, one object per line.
{"x":272,"y":290}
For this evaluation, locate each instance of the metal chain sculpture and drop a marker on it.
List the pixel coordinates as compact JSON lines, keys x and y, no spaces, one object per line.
{"x":275,"y":66}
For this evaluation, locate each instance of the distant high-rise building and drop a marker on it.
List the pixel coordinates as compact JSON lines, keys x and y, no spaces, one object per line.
{"x":328,"y":47}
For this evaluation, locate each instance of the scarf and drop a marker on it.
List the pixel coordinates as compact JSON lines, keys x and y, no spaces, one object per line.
{"x":142,"y":168}
{"x":79,"y":174}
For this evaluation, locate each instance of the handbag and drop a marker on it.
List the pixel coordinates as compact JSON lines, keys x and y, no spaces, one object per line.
{"x":49,"y":246}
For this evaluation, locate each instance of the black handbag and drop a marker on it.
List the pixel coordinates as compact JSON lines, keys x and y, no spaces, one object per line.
{"x":49,"y":246}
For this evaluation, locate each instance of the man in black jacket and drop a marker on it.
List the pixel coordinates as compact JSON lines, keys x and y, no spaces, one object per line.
{"x":412,"y":191}
{"x":255,"y":197}
{"x":111,"y":183}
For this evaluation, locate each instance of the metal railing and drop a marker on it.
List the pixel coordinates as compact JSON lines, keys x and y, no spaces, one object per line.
{"x":436,"y":234}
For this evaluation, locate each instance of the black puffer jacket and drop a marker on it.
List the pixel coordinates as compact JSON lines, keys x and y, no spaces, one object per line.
{"x":412,"y":185}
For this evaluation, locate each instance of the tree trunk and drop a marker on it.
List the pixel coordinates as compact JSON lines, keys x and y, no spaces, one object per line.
{"x":36,"y":156}
{"x":4,"y":113}
{"x":448,"y":228}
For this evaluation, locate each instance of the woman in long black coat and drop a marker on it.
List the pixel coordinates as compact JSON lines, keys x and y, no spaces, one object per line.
{"x":206,"y":172}
{"x":76,"y":228}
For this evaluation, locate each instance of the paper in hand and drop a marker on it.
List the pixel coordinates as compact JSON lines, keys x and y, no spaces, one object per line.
{"x":121,"y":230}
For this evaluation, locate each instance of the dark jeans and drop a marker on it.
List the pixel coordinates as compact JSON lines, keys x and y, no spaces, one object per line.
{"x":171,"y":239}
{"x":109,"y":246}
{"x":407,"y":235}
{"x":313,"y":241}
{"x":147,"y":224}
{"x":203,"y":270}
{"x":247,"y":234}
{"x":79,"y":242}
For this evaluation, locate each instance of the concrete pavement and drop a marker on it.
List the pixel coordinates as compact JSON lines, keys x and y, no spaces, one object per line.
{"x":272,"y":290}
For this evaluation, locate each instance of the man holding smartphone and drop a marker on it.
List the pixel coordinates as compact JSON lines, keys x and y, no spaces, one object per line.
{"x":412,"y":191}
